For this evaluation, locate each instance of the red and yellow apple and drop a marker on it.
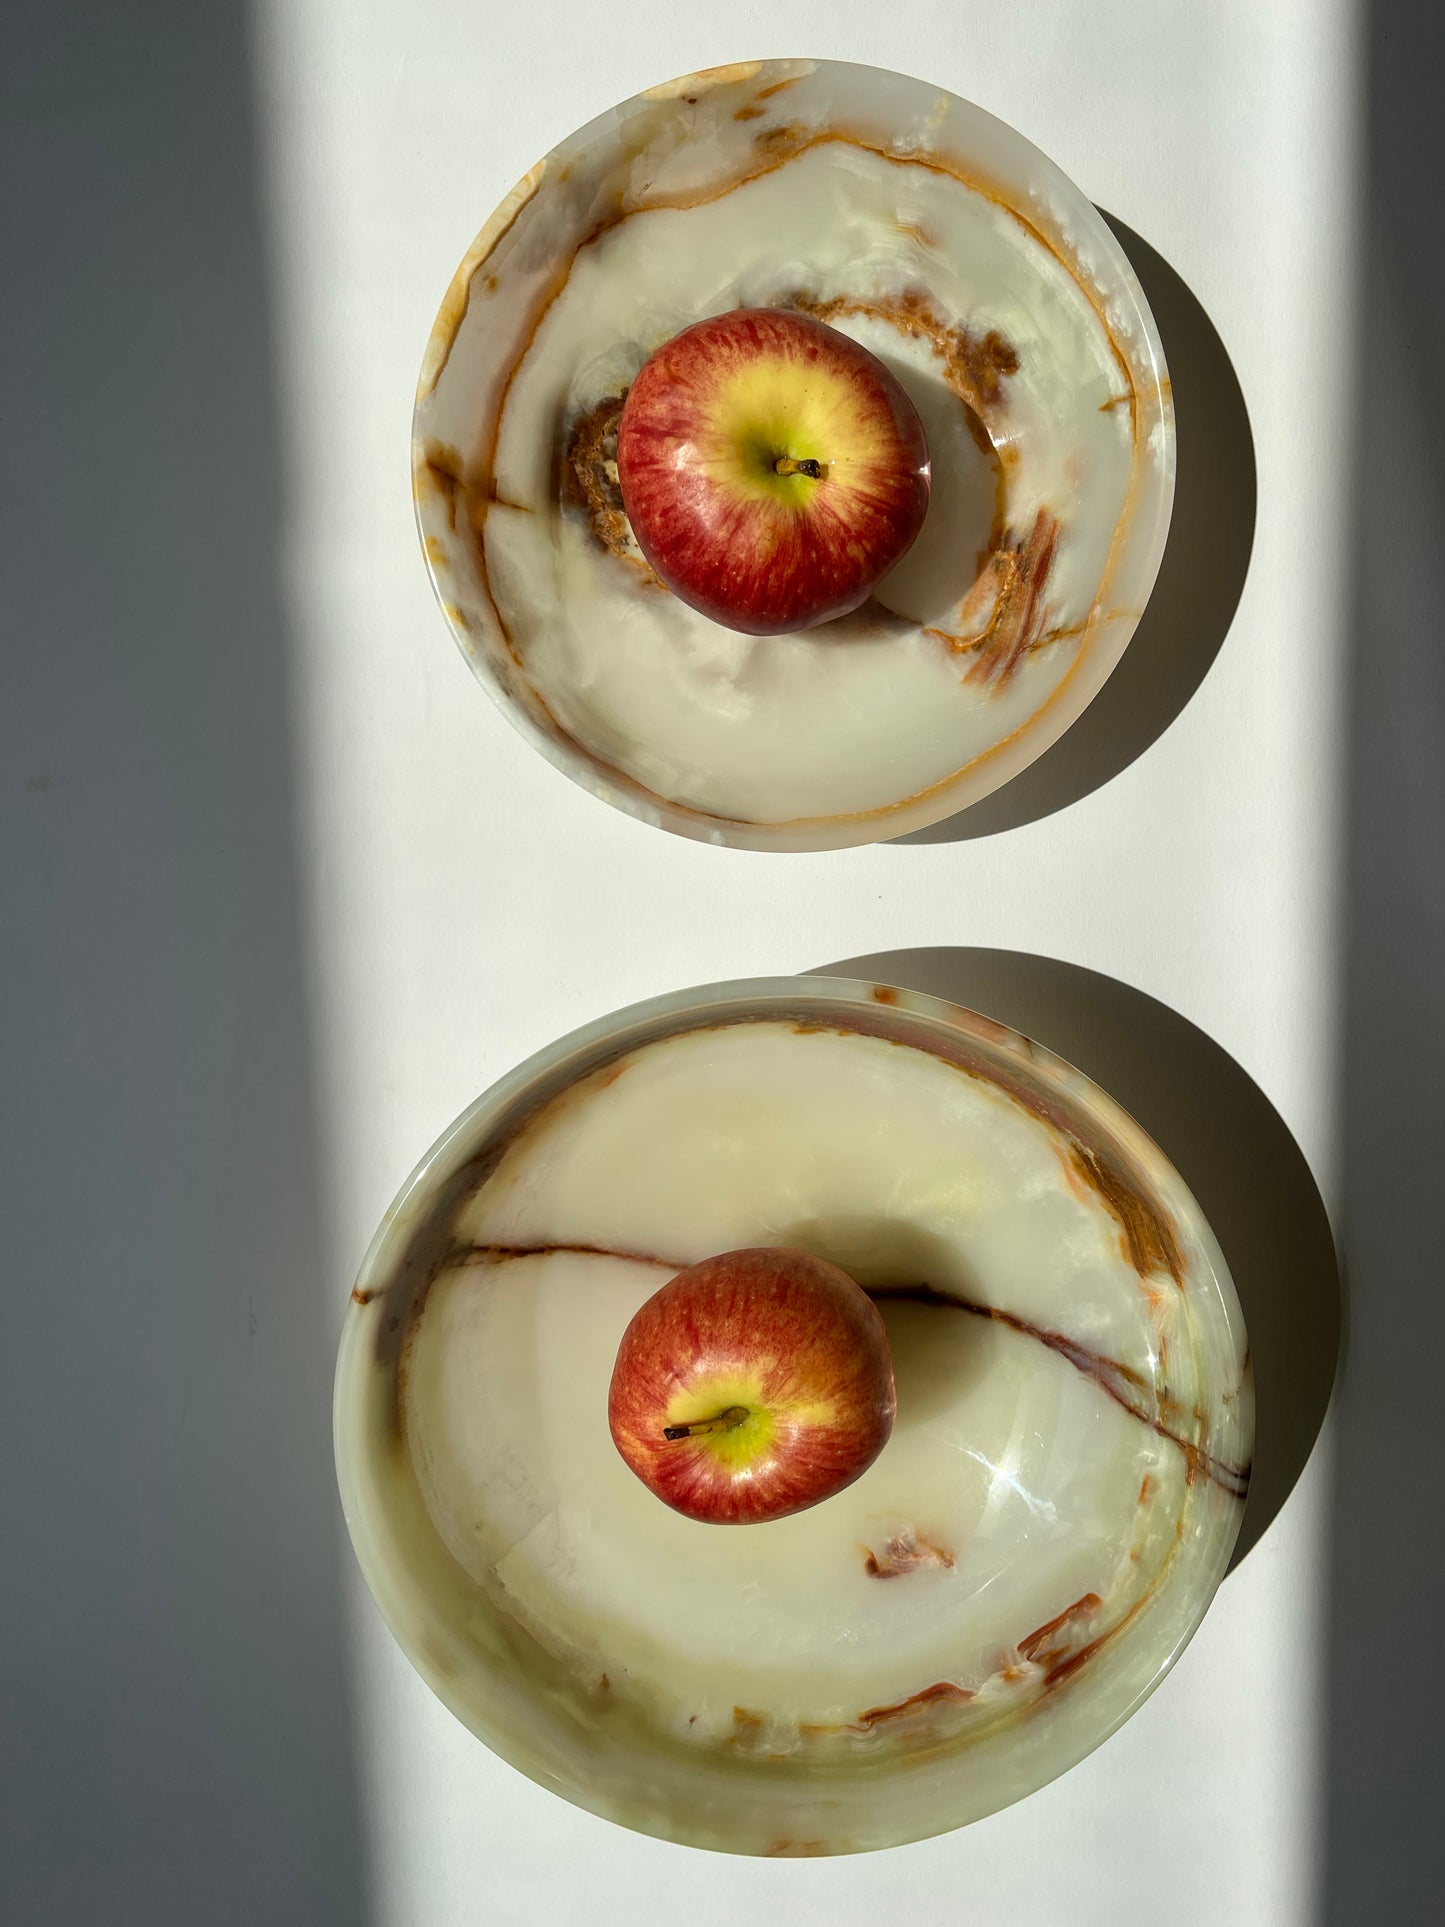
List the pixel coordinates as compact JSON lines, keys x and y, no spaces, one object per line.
{"x":772,"y":469}
{"x":752,"y":1385}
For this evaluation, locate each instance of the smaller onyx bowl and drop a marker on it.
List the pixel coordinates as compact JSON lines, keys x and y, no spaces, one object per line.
{"x":955,"y":252}
{"x":1001,"y":1588}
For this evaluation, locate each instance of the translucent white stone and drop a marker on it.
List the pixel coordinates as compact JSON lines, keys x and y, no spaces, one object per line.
{"x":1000,"y":1588}
{"x":950,"y":247}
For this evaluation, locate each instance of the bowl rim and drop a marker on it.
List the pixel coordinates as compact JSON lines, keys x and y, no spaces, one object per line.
{"x":404,"y":1604}
{"x":1144,"y":536}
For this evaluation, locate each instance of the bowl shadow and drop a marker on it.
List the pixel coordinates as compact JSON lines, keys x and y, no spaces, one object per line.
{"x":1201,"y":579}
{"x":1230,"y":1145}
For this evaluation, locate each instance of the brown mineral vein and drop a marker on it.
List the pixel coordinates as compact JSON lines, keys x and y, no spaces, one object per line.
{"x":458,"y":297}
{"x":975,"y":366}
{"x":905,"y":1552}
{"x":1067,"y":1664}
{"x":965,"y":645}
{"x":421,"y":1262}
{"x":944,"y":1689}
{"x":1043,"y":1648}
{"x":1063,"y":633}
{"x":1017,"y":623}
{"x":443,"y":468}
{"x":1123,"y":1384}
{"x":1150,"y":1242}
{"x":497,"y":1254}
{"x":1038,"y":1645}
{"x":957,"y":645}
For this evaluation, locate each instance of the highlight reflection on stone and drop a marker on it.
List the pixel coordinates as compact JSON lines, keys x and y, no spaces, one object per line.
{"x":1056,"y":1504}
{"x":940,"y":240}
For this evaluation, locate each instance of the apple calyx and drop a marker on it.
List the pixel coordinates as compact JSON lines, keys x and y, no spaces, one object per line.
{"x":724,"y":1422}
{"x":814,"y":470}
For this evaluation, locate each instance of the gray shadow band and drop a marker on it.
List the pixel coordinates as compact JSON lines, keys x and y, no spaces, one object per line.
{"x":176,"y":1720}
{"x":1383,"y":1696}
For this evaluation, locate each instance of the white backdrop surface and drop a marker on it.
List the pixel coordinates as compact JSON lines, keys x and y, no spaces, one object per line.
{"x":464,"y":904}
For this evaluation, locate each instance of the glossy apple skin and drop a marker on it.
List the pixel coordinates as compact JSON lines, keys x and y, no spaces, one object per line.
{"x":780,"y":1335}
{"x":702,"y":430}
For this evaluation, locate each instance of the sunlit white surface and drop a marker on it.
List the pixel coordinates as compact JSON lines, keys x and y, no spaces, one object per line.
{"x":468,"y":904}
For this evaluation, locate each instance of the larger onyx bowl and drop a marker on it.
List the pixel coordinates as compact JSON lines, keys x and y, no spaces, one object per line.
{"x":953,"y":249}
{"x":1004,"y":1585}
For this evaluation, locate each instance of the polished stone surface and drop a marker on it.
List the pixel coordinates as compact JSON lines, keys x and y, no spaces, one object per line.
{"x":950,"y":247}
{"x":1000,"y":1589}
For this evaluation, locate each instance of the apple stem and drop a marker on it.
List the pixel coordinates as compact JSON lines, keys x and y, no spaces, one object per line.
{"x":724,"y":1422}
{"x":785,"y":465}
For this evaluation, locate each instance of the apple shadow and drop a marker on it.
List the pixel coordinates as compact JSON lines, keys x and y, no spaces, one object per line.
{"x":934,"y":1359}
{"x":1229,"y":1143}
{"x":939,"y":569}
{"x":1200,"y":581}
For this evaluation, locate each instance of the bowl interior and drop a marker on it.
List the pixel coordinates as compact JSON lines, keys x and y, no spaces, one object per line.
{"x":949,"y":245}
{"x":949,"y":1749}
